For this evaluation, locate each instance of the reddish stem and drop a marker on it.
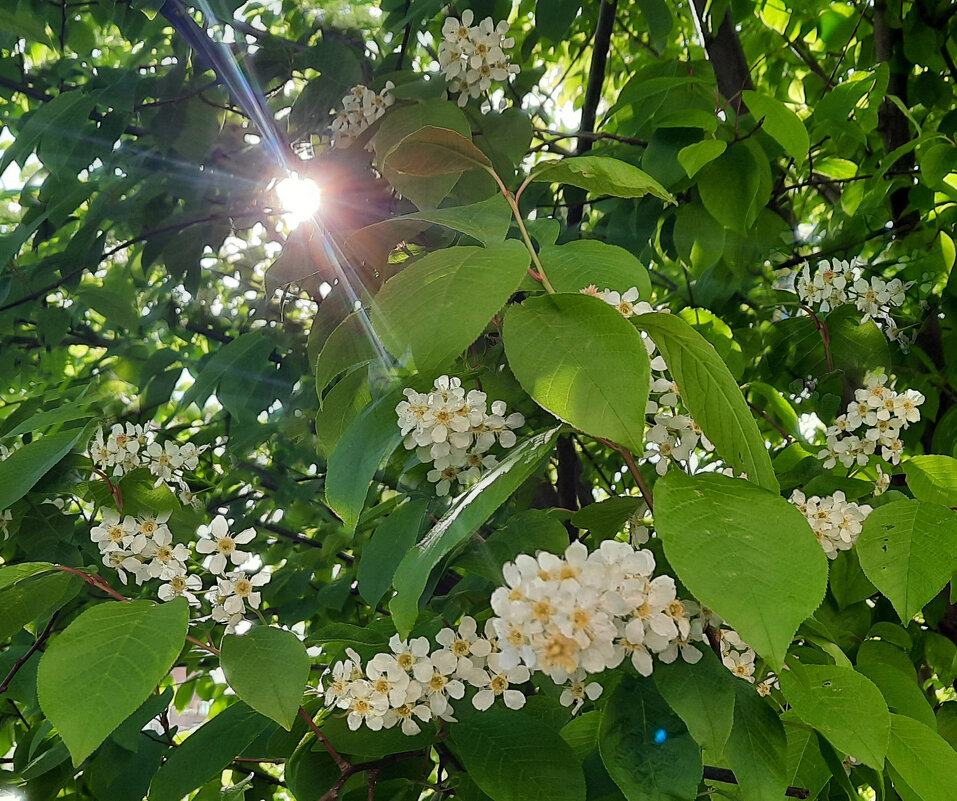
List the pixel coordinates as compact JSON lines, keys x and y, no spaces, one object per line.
{"x":340,"y":761}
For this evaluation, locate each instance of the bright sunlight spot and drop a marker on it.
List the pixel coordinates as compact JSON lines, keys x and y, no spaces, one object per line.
{"x":300,"y":197}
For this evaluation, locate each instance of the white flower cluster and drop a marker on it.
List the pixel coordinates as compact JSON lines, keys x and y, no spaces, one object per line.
{"x":872,"y":421}
{"x":414,"y":681}
{"x":471,"y":57}
{"x":738,"y":657}
{"x":838,"y":282}
{"x":582,"y":613}
{"x":131,"y":446}
{"x":836,"y":522}
{"x":454,"y":430}
{"x":360,"y":108}
{"x":674,"y":434}
{"x":143,"y":547}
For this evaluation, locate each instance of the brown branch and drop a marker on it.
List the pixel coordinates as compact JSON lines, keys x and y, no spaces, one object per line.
{"x":593,"y":89}
{"x":593,"y":136}
{"x":37,"y":645}
{"x":724,"y":52}
{"x":643,"y":487}
{"x":341,"y":761}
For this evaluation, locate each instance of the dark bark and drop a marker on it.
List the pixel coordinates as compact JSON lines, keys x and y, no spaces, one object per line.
{"x":593,"y":88}
{"x":725,"y":54}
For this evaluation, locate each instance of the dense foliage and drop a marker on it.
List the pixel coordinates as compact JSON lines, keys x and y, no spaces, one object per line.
{"x":548,"y":400}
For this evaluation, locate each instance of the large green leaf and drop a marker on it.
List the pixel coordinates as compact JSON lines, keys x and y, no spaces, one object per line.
{"x":467,"y":513}
{"x":646,"y":747}
{"x":712,"y":396}
{"x":351,"y":343}
{"x":33,"y":598}
{"x":436,"y":307}
{"x":729,"y":188}
{"x":104,"y":665}
{"x":780,"y":123}
{"x":368,"y":440}
{"x":923,"y":759}
{"x":207,"y":751}
{"x":845,"y":706}
{"x":602,"y":175}
{"x":268,"y":668}
{"x":582,"y":361}
{"x":757,"y":747}
{"x":907,"y":550}
{"x":744,"y":552}
{"x":933,"y":478}
{"x":425,"y":192}
{"x":901,"y":690}
{"x":26,"y":466}
{"x":229,"y":359}
{"x":372,"y":744}
{"x":432,"y":150}
{"x":512,"y":756}
{"x":702,"y":695}
{"x":487,"y":221}
{"x":391,"y":541}
{"x":575,"y":265}
{"x":694,"y":157}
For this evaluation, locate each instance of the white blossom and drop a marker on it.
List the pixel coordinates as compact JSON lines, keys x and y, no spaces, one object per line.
{"x":222,"y":545}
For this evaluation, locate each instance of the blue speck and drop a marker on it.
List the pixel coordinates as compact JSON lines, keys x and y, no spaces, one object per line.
{"x":660,"y":736}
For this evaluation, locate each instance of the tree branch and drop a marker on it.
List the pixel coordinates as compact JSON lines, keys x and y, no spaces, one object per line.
{"x":724,"y":52}
{"x":728,"y":777}
{"x":19,"y":663}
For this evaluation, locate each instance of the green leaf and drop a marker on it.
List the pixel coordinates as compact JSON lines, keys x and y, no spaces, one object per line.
{"x":115,"y":305}
{"x":933,"y":478}
{"x":602,"y":175}
{"x":583,"y":362}
{"x":231,"y":358}
{"x":372,"y":744}
{"x":432,"y":151}
{"x":207,"y":751}
{"x":392,"y":539}
{"x":34,"y":598}
{"x":368,"y":440}
{"x":694,"y":157}
{"x":342,"y":404}
{"x":606,"y":518}
{"x":268,"y":668}
{"x":104,"y":665}
{"x":526,"y":532}
{"x":901,"y":691}
{"x":702,"y":695}
{"x":350,"y":344}
{"x":845,"y":706}
{"x":11,"y":574}
{"x":907,"y":550}
{"x":435,"y":308}
{"x":780,"y":123}
{"x":923,"y":759}
{"x":63,"y":413}
{"x":467,"y":513}
{"x":553,"y":18}
{"x":61,"y":114}
{"x":310,"y":774}
{"x":487,"y":221}
{"x":757,"y":747}
{"x":729,"y":188}
{"x":763,"y":578}
{"x":514,"y":757}
{"x":23,"y":468}
{"x":712,"y":396}
{"x":806,"y":767}
{"x":399,"y":123}
{"x":646,"y":747}
{"x":575,"y":265}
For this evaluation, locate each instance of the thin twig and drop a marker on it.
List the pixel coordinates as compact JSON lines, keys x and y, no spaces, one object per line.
{"x":728,"y":777}
{"x":37,"y":645}
{"x":343,"y":764}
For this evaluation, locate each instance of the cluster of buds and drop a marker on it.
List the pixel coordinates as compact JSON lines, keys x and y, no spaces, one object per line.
{"x":836,"y":522}
{"x":454,"y":430}
{"x":471,"y":57}
{"x":871,"y":424}
{"x":360,"y":108}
